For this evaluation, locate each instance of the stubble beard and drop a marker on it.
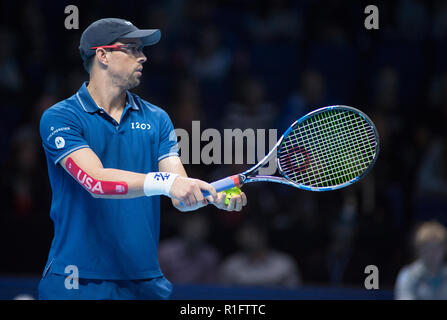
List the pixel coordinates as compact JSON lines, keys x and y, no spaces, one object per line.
{"x":133,"y":81}
{"x":127,"y":83}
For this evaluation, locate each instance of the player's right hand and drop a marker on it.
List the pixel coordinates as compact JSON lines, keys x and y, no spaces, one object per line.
{"x":189,"y":192}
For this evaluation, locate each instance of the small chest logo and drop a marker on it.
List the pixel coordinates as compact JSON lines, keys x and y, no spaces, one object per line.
{"x":60,"y":142}
{"x":138,"y":125}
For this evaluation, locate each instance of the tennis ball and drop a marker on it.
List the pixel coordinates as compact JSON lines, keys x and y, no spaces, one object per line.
{"x":230,"y":193}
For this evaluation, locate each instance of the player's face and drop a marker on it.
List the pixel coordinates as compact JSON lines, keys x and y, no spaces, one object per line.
{"x":126,"y":64}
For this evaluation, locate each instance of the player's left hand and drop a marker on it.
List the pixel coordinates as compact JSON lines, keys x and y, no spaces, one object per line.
{"x":236,"y":202}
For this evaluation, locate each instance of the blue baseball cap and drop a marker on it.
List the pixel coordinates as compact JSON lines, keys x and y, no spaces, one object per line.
{"x":106,"y":31}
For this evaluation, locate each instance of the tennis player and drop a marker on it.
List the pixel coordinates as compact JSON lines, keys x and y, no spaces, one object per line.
{"x":111,"y":155}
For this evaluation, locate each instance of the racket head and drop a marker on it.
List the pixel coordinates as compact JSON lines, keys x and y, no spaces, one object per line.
{"x":328,"y":149}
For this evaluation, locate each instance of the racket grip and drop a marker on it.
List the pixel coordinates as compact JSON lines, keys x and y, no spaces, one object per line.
{"x":224,"y":184}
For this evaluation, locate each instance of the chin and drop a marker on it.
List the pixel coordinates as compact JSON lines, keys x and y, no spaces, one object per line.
{"x":133,"y":84}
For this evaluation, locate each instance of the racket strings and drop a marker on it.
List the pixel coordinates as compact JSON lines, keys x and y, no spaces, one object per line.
{"x":339,"y":146}
{"x":370,"y":134}
{"x":341,"y":157}
{"x":357,"y":164}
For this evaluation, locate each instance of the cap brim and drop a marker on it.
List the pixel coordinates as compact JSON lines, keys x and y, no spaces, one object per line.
{"x":148,"y":37}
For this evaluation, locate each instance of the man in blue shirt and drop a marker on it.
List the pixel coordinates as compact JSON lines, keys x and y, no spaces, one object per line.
{"x":110,"y":156}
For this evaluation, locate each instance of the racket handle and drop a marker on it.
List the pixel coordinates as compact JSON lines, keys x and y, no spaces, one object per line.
{"x":224,"y":184}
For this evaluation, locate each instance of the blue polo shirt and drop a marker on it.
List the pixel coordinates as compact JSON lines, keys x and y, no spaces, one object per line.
{"x":105,"y":238}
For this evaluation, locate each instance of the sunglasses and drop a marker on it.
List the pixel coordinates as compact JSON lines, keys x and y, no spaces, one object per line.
{"x":134,"y":48}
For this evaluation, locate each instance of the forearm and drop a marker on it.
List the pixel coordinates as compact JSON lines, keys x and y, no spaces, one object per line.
{"x":134,"y":181}
{"x":110,"y":183}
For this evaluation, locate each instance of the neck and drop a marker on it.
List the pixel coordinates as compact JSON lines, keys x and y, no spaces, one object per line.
{"x":106,"y":94}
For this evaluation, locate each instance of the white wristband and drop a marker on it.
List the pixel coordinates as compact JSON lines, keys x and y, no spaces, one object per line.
{"x":158,"y":183}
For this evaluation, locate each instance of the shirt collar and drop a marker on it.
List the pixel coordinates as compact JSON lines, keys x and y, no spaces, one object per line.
{"x":89,"y":105}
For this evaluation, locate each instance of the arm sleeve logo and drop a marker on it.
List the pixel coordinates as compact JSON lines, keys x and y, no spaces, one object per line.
{"x":60,"y":142}
{"x":93,"y":185}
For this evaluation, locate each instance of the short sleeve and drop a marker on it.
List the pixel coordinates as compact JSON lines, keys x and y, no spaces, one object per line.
{"x":168,"y":138}
{"x":61,"y":133}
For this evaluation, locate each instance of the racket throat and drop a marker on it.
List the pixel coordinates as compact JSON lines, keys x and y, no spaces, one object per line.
{"x":241,"y":180}
{"x":238,"y":180}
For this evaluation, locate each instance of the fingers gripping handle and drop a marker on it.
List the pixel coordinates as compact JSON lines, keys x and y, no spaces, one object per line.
{"x":224,"y":184}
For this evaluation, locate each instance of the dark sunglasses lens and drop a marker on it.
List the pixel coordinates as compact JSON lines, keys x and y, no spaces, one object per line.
{"x":135,"y":48}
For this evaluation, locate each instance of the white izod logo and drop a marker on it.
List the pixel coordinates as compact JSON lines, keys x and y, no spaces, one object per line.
{"x":60,"y":142}
{"x":142,"y":126}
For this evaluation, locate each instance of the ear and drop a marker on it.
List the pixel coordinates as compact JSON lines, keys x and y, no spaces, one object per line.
{"x":101,"y":55}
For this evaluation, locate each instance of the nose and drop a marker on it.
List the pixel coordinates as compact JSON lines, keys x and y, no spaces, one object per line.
{"x":142,"y":58}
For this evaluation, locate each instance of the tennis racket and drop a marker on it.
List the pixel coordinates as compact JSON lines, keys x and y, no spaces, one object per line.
{"x":327,"y":149}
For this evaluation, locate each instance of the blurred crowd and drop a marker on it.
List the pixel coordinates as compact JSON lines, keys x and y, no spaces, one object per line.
{"x":425,"y":278}
{"x":248,"y":64}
